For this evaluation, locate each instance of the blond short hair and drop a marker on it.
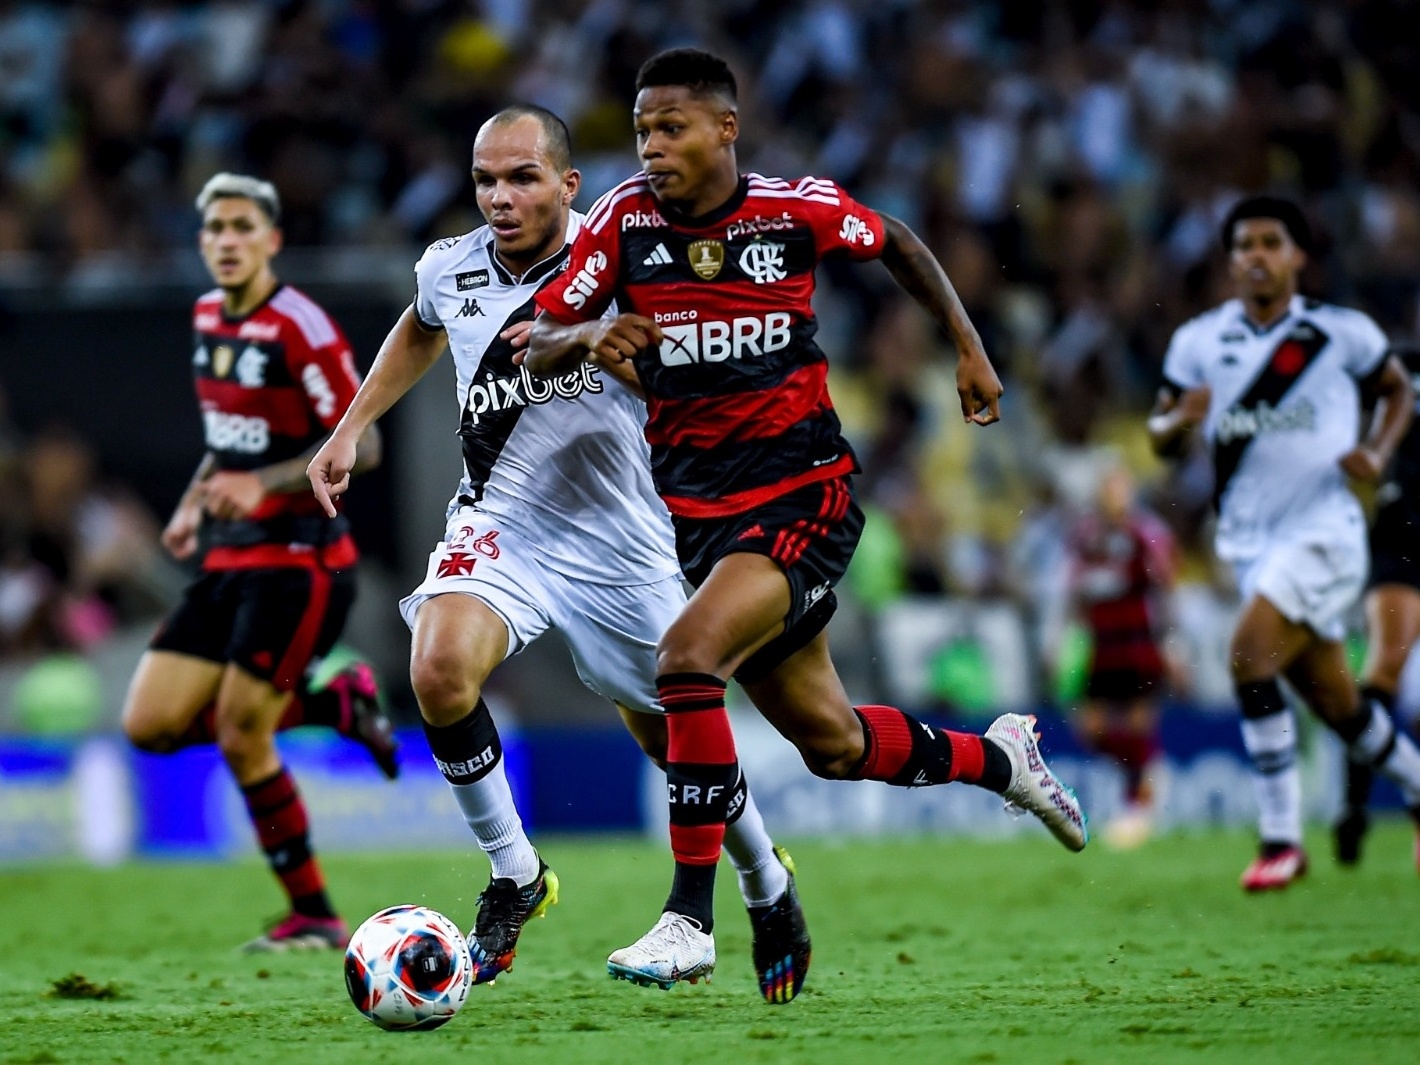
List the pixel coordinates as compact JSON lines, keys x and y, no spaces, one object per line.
{"x":224,"y":186}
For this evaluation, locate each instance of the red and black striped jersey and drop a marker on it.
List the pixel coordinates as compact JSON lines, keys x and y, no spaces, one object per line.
{"x":738,"y":410}
{"x":1119,"y":572}
{"x":270,"y":385}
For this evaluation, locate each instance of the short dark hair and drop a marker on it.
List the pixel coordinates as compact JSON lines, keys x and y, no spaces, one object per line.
{"x":559,"y":140}
{"x":699,"y":71}
{"x":1274,"y":207}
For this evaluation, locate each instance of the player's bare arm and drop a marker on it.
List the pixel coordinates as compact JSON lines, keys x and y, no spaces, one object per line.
{"x":916,"y":270}
{"x":180,"y":534}
{"x":234,"y":494}
{"x":1367,"y":461}
{"x":555,"y":348}
{"x":409,"y":349}
{"x":1175,"y":416}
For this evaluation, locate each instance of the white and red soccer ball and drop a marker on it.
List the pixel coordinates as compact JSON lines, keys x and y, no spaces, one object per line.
{"x":407,"y":968}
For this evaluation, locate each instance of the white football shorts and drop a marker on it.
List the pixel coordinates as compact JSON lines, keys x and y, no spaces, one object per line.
{"x":1312,"y":576}
{"x":611,"y":629}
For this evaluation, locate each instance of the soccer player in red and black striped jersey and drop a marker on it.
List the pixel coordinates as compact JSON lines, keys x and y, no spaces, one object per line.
{"x":232,"y":663}
{"x":712,"y":272}
{"x":1121,"y":581}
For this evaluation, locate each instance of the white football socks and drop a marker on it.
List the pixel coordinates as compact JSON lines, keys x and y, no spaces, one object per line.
{"x":1271,"y":743}
{"x":487,"y":806}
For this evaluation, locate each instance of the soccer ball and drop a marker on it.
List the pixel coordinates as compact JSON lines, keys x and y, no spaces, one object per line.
{"x":408,"y":968}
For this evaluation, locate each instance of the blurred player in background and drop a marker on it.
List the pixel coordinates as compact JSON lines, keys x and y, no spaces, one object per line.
{"x":233,"y":662}
{"x":714,"y":273}
{"x":1274,"y":380}
{"x":1122,"y":574}
{"x":555,"y":525}
{"x":1392,"y":613}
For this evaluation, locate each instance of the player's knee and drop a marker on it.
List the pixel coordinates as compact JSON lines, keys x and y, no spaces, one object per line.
{"x":242,"y":737}
{"x":443,"y":687}
{"x":832,"y":756}
{"x":1249,"y":662}
{"x":147,"y":733}
{"x":682,"y":653}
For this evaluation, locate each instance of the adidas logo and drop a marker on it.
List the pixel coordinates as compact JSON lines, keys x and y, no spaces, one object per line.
{"x":659,"y":257}
{"x":754,"y":530}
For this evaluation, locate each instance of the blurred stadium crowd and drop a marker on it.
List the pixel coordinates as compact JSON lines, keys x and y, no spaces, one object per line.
{"x":1069,"y":162}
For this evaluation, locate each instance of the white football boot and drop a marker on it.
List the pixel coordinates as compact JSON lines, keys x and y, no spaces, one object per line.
{"x":1034,"y":788}
{"x":675,"y":949}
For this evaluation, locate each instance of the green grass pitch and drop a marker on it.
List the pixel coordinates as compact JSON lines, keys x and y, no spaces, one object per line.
{"x":925,"y":950}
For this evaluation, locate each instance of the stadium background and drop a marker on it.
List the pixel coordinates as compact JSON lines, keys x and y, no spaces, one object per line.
{"x":1068,"y":162}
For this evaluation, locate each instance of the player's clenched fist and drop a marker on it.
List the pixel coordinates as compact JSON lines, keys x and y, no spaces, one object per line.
{"x":621,"y":338}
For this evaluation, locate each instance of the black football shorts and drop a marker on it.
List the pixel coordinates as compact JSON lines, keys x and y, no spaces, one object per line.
{"x":1395,"y":547}
{"x":810,"y":532}
{"x":270,"y":622}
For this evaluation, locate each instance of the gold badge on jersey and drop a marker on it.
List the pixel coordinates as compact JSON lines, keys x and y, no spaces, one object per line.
{"x":222,"y":358}
{"x":706,"y":258}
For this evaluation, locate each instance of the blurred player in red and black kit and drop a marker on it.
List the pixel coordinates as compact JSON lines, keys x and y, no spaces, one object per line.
{"x":1122,"y":574}
{"x":712,"y":273}
{"x":231,"y":664}
{"x":1392,"y":612}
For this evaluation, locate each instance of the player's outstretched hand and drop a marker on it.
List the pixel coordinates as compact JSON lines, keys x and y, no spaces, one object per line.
{"x":621,"y":338}
{"x":1363,"y":464}
{"x":329,"y":471}
{"x":979,"y":388}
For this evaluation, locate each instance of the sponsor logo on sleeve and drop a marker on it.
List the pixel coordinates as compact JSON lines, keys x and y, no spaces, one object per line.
{"x":585,"y":283}
{"x":322,"y":396}
{"x":855,"y":231}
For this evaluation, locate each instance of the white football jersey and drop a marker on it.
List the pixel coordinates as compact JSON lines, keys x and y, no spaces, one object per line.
{"x":1285,"y":407}
{"x":562,"y":460}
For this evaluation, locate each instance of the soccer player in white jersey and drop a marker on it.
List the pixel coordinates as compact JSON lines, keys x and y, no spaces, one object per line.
{"x":555,"y":525}
{"x":1274,"y":381}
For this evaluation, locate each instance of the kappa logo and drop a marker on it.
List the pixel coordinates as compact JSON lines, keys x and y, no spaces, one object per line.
{"x":642,"y":220}
{"x":659,"y":257}
{"x":470,"y":309}
{"x":471,"y":279}
{"x":764,"y":261}
{"x":585,"y":283}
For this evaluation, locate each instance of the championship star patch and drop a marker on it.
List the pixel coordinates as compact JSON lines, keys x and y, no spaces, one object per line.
{"x":706,"y":258}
